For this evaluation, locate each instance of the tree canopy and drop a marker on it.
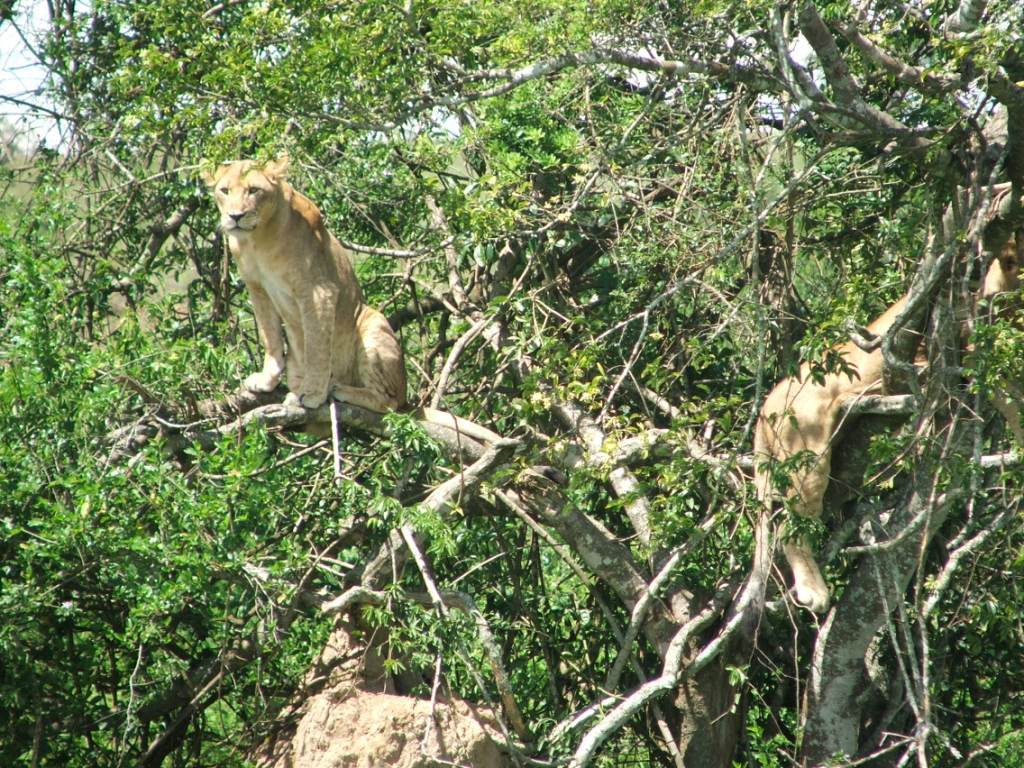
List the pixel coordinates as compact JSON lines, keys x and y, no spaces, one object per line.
{"x":603,"y":230}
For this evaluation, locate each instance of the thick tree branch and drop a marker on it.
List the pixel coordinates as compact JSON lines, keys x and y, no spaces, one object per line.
{"x":880,"y":405}
{"x":415,"y":309}
{"x":966,"y":17}
{"x":916,"y":77}
{"x":678,"y":664}
{"x":838,"y":663}
{"x":244,"y":409}
{"x":847,"y":90}
{"x":448,"y":493}
{"x":1004,"y":85}
{"x":162,"y":230}
{"x":606,"y":558}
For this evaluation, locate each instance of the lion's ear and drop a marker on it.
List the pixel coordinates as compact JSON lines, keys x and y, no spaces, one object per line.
{"x":211,"y":173}
{"x":278,"y":167}
{"x":209,"y":177}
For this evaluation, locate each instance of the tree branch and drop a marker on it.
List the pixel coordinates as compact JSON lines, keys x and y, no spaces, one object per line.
{"x":460,"y":438}
{"x":646,"y":62}
{"x":610,"y":561}
{"x":161,"y":231}
{"x":966,"y":17}
{"x":837,"y":667}
{"x":916,"y":77}
{"x":440,"y":223}
{"x":479,"y":327}
{"x":416,"y":308}
{"x":847,"y":90}
{"x":675,"y":667}
{"x":623,"y":481}
{"x":395,"y":253}
{"x":879,"y":405}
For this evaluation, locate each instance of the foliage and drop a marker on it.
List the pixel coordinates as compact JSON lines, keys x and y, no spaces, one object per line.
{"x":655,"y":248}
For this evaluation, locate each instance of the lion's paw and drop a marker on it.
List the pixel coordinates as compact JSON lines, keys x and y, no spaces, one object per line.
{"x":812,"y":598}
{"x":261,"y":382}
{"x":312,"y":401}
{"x":305,"y":400}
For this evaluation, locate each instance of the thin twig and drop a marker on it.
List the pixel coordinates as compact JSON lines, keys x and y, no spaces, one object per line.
{"x":335,"y":441}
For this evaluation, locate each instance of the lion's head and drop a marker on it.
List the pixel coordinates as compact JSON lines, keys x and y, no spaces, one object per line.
{"x":1004,"y":273}
{"x":247,"y":193}
{"x":1010,"y":258}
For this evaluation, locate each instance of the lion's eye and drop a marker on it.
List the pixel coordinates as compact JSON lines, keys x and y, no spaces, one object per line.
{"x":224,"y":190}
{"x":254,"y":191}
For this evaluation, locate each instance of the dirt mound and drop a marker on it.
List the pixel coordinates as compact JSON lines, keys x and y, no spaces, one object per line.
{"x":352,"y":717}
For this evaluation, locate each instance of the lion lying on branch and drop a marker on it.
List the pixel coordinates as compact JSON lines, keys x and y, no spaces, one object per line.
{"x":800,"y":418}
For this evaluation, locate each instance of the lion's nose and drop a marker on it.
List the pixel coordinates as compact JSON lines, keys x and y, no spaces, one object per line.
{"x":236,"y":216}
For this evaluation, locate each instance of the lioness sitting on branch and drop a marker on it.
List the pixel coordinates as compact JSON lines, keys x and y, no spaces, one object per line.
{"x":300,"y":276}
{"x":802,"y":416}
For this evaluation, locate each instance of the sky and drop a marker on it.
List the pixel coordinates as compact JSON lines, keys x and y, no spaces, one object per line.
{"x":22,"y":77}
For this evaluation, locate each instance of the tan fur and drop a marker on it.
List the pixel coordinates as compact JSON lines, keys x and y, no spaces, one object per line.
{"x":1004,"y":273}
{"x":1004,"y":276}
{"x":301,"y":283}
{"x":800,"y":416}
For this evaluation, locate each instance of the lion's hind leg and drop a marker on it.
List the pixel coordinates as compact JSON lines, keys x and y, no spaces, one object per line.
{"x":380,"y":384}
{"x":1005,"y":401}
{"x":809,"y":587}
{"x":803,"y":435}
{"x":806,"y":499}
{"x":363,"y":397}
{"x":378,"y":381}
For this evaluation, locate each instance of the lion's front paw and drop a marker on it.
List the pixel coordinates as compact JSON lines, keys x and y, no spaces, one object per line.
{"x":261,"y":382}
{"x":292,"y":399}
